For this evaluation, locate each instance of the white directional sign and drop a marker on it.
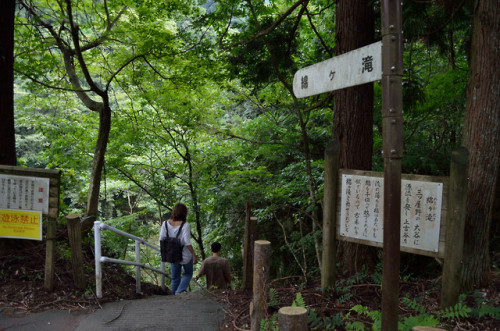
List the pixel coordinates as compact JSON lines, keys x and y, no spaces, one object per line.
{"x":363,"y":65}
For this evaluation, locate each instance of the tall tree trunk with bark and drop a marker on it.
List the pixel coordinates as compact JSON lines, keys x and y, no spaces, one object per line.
{"x":353,"y":116}
{"x":7,"y":133}
{"x":482,"y":137}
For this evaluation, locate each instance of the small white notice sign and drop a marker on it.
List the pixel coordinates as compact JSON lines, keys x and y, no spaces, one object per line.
{"x":360,"y":66}
{"x":24,"y":193}
{"x":362,"y":210}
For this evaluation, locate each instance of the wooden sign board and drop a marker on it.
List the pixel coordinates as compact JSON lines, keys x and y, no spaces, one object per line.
{"x":50,"y":199}
{"x":24,"y":192}
{"x":423,"y":211}
{"x":360,"y":66}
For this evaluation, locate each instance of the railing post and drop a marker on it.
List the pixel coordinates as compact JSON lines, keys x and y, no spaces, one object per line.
{"x":97,"y":249}
{"x":137,"y":268}
{"x":162,"y":267}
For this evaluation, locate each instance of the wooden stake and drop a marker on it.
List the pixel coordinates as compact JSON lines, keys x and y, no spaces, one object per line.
{"x":75,"y":243}
{"x":329,"y":258}
{"x":292,"y":319}
{"x":248,"y":248}
{"x":258,"y":305}
{"x":457,"y":211}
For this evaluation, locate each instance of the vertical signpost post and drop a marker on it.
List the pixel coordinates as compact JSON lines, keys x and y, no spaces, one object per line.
{"x":392,"y":137}
{"x":363,"y":65}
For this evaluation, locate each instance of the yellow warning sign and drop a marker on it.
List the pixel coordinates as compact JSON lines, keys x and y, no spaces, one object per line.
{"x":21,"y":224}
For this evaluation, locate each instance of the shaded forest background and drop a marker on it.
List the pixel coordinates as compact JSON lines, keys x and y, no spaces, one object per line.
{"x":143,"y":104}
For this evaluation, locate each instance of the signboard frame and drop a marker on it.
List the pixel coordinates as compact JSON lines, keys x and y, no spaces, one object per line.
{"x":444,"y":211}
{"x":50,"y":219}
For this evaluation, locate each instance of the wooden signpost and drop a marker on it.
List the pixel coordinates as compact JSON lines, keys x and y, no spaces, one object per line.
{"x":359,"y":67}
{"x":26,"y":191}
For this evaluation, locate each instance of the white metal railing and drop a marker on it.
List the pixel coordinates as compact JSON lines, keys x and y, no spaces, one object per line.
{"x":98,"y":226}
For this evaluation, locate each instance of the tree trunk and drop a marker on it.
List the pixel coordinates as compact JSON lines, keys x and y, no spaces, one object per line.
{"x":482,"y":137}
{"x":7,"y":136}
{"x":353,"y":117}
{"x":311,"y":187}
{"x":97,"y":166}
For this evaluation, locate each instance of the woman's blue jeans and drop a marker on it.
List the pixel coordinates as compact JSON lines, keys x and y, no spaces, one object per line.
{"x":180,"y":285}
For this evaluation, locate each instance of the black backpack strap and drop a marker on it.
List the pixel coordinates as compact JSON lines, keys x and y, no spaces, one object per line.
{"x":178,"y":232}
{"x":180,"y":229}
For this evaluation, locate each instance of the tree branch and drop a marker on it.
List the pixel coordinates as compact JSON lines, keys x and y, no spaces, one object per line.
{"x":262,"y":32}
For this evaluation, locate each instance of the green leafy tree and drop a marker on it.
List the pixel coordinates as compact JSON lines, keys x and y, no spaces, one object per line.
{"x":84,"y":46}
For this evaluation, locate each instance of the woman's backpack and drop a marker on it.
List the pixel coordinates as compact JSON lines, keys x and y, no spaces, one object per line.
{"x":171,"y":247}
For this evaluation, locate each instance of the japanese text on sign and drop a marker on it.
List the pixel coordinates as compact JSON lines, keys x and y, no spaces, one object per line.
{"x":356,"y":67}
{"x":21,"y":224}
{"x":362,"y":209}
{"x":26,"y":193}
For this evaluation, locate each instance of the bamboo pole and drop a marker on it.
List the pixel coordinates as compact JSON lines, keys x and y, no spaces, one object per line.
{"x":258,"y":305}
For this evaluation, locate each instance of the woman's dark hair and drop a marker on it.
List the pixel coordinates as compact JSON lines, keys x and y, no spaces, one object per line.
{"x":179,"y":213}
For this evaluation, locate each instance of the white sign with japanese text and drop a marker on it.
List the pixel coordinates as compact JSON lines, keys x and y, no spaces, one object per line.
{"x":24,"y":193}
{"x":360,"y":66}
{"x":362,"y":210}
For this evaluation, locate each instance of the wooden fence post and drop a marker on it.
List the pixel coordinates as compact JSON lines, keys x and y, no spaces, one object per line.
{"x":329,"y":259}
{"x":292,"y":319}
{"x":75,"y":243}
{"x":50,"y":245}
{"x":261,"y":274}
{"x":457,"y":203}
{"x":248,"y":248}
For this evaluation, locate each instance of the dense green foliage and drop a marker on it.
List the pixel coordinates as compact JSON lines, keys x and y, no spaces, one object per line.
{"x":215,"y":127}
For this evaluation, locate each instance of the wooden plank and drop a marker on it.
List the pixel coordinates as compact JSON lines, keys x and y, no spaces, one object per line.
{"x":31,"y":172}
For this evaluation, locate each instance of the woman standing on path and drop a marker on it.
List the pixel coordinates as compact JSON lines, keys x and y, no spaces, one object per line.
{"x":189,"y":258}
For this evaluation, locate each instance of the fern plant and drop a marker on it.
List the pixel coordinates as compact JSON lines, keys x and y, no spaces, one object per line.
{"x":299,"y":301}
{"x":483,"y":307}
{"x":270,"y":324}
{"x":405,"y":323}
{"x":455,"y":312}
{"x":413,"y":304}
{"x":273,"y":298}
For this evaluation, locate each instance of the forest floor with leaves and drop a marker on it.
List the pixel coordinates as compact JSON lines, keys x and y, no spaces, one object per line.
{"x":22,"y":291}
